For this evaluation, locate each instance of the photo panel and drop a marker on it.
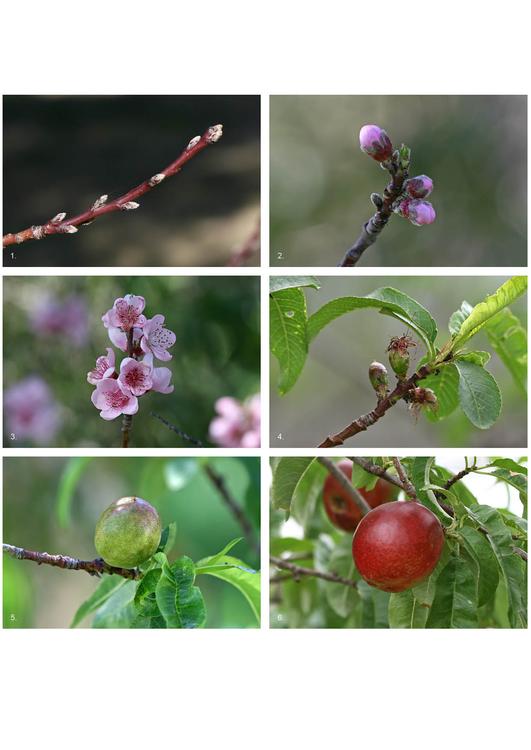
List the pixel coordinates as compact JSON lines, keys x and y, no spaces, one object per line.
{"x":409,"y":361}
{"x":124,"y":542}
{"x":161,"y":180}
{"x":455,"y":163}
{"x":143,"y":361}
{"x":398,"y":542}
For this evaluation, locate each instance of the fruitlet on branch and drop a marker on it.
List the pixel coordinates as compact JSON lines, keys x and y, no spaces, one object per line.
{"x":128,"y":532}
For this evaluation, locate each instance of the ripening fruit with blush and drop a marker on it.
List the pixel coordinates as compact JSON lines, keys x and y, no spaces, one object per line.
{"x":397,"y":546}
{"x":341,"y":509}
{"x":128,"y":532}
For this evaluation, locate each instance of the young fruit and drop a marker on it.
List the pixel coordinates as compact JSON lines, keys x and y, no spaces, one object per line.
{"x":342,"y":511}
{"x":396,"y":546}
{"x":128,"y":532}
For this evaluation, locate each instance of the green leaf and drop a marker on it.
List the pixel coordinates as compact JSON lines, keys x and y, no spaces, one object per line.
{"x":241,"y":577}
{"x":118,"y":611}
{"x":508,"y":338}
{"x":287,"y":474}
{"x":388,"y":301}
{"x":476,"y":357}
{"x":518,"y":481}
{"x":338,"y":559}
{"x":145,"y":597}
{"x":445,"y":385}
{"x":307,"y":494}
{"x":214,"y":559}
{"x":410,"y":609}
{"x":479,"y":395}
{"x":511,"y":566}
{"x":458,"y":317}
{"x":278,"y":283}
{"x":510,"y":464}
{"x":107,"y":586}
{"x":488,"y":308}
{"x":281,"y":544}
{"x":180,"y":602}
{"x":480,"y":550}
{"x":455,"y":601}
{"x":68,"y":482}
{"x":288,"y":335}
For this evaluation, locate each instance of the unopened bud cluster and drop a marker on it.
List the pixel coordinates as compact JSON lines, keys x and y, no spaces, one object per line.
{"x":375,"y":142}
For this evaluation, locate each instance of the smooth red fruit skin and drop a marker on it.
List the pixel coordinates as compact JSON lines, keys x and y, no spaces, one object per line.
{"x":342,"y":511}
{"x":396,"y":546}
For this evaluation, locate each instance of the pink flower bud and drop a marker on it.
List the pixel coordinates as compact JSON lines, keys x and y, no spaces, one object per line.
{"x":419,"y":187}
{"x":418,"y":212}
{"x":375,"y":142}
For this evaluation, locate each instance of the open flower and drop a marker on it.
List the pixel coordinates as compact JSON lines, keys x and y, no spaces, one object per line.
{"x":160,"y":376}
{"x":113,"y":400}
{"x":157,"y":339}
{"x":135,"y":376}
{"x":126,"y":313}
{"x":104,"y":368}
{"x":238,"y":424}
{"x":31,"y":411}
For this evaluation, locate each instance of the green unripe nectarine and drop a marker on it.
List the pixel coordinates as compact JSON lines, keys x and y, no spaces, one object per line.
{"x":128,"y":532}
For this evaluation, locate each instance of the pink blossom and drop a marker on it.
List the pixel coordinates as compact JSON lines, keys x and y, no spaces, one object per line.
{"x":126,"y":313}
{"x":67,"y":318}
{"x":31,"y":411}
{"x":113,"y":399}
{"x":157,"y":339}
{"x":418,"y":212}
{"x":238,"y":424}
{"x":135,"y":376}
{"x":419,"y":187}
{"x":160,"y":376}
{"x":104,"y":368}
{"x":375,"y":142}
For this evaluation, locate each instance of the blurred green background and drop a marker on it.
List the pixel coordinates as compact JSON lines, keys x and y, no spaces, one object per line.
{"x":334,"y":387}
{"x":52,"y":505}
{"x":473,"y":147}
{"x":63,"y":152}
{"x":217,"y":353}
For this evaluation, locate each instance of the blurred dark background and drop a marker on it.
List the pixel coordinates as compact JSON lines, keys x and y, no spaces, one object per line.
{"x":42,"y":514}
{"x":62,"y":152}
{"x":334,"y":387}
{"x":473,"y":147}
{"x":217,"y":352}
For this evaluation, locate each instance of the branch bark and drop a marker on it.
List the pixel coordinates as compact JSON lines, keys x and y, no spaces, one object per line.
{"x":247,"y":249}
{"x":338,"y":475}
{"x":409,"y":489}
{"x":219,"y":483}
{"x":126,"y":202}
{"x":92,"y":567}
{"x":372,"y":228}
{"x":298,"y":571}
{"x":378,"y":471}
{"x":367,"y":420}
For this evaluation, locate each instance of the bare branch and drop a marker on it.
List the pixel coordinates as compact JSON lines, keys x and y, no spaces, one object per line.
{"x":378,"y":471}
{"x":406,"y":484}
{"x":338,"y":475}
{"x":382,"y":407}
{"x":219,"y":483}
{"x":92,"y":567}
{"x":127,"y":202}
{"x":299,"y":571}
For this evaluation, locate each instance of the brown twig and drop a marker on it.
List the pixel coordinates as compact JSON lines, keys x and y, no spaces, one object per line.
{"x":299,"y":571}
{"x":409,"y":489}
{"x":92,"y":567}
{"x":371,"y":229}
{"x":367,"y":420}
{"x":338,"y":475}
{"x":521,"y":553}
{"x":219,"y":483}
{"x":459,"y":476}
{"x":126,"y":202}
{"x":177,"y":431}
{"x":247,"y":249}
{"x":378,"y":471}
